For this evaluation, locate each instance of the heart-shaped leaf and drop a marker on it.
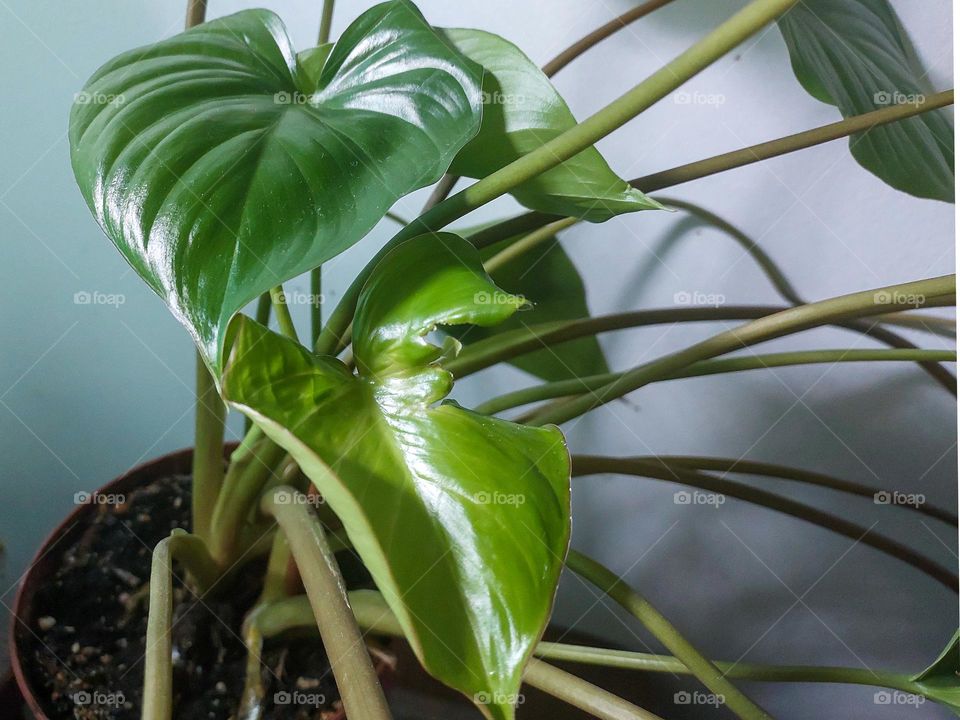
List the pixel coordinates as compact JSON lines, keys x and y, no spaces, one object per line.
{"x":855,"y":54}
{"x":522,"y":111}
{"x":548,"y":279}
{"x":220,"y":167}
{"x":463,"y":520}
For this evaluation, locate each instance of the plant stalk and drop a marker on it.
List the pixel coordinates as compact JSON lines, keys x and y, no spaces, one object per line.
{"x":316,"y":309}
{"x":282,"y":311}
{"x":208,"y":462}
{"x":661,"y":628}
{"x":581,"y":694}
{"x":934,"y":292}
{"x":326,"y":22}
{"x":196,"y":12}
{"x":356,"y":679}
{"x":713,"y":46}
{"x":600,"y":34}
{"x":158,"y":657}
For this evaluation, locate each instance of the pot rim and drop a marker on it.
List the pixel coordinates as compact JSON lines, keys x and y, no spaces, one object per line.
{"x":43,"y":562}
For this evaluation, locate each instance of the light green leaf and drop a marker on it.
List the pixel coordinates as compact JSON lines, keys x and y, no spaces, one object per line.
{"x":522,"y":111}
{"x":463,"y":520}
{"x":547,"y":278}
{"x":312,"y":61}
{"x":942,"y":679}
{"x":219,"y":168}
{"x":855,"y":54}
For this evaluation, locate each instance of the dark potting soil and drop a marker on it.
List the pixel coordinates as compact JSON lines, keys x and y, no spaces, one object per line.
{"x":88,"y":640}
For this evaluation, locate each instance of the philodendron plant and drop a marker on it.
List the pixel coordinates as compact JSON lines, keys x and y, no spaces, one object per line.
{"x":223,"y":163}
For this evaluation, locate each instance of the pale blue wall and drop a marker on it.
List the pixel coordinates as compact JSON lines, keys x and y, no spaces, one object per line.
{"x":87,"y":391}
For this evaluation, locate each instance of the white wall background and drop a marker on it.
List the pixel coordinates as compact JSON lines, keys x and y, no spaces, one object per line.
{"x":86,"y":392}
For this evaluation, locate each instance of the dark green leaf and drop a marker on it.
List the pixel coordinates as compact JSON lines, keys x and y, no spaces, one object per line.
{"x":219,"y":169}
{"x":521,"y":112}
{"x":548,"y":279}
{"x":463,"y":520}
{"x":854,"y":54}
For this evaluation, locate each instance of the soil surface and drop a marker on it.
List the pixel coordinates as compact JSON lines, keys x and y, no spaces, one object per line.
{"x":91,"y":621}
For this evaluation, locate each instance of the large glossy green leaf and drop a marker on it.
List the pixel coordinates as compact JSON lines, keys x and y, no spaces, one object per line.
{"x":221,"y":167}
{"x":942,"y":679}
{"x":463,"y":520}
{"x":522,"y":111}
{"x":854,"y":54}
{"x":547,"y":278}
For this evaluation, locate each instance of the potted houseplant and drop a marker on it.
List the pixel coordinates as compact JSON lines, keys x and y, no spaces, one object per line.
{"x":222,"y":163}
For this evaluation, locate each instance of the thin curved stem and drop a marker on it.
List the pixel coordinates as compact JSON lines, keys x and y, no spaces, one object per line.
{"x":661,"y":628}
{"x":566,"y":388}
{"x":356,"y":678}
{"x":933,"y":324}
{"x":527,"y":243}
{"x":374,"y":615}
{"x":601,"y":33}
{"x":934,"y":292}
{"x":776,"y":276}
{"x":513,"y":343}
{"x":791,"y":143}
{"x":752,"y":467}
{"x":254,"y":691}
{"x":191,"y":552}
{"x":713,"y":46}
{"x":249,"y":472}
{"x":397,"y":219}
{"x":516,"y":226}
{"x":595,"y":465}
{"x":442,"y":190}
{"x":738,"y":671}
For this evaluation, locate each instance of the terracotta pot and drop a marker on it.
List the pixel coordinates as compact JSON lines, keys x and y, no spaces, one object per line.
{"x":44,"y":566}
{"x":10,"y":698}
